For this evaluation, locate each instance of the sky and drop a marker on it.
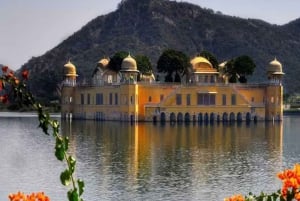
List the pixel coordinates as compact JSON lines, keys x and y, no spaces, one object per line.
{"x":29,"y":28}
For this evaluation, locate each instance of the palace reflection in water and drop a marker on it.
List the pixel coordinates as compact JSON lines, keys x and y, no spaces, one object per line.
{"x":146,"y":161}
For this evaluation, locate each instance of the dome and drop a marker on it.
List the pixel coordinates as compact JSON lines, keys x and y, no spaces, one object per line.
{"x":198,"y":60}
{"x":275,"y":67}
{"x":70,"y":69}
{"x":103,"y":62}
{"x":202,"y":65}
{"x":129,"y":64}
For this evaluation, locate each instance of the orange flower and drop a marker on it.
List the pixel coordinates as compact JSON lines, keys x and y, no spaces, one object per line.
{"x":235,"y":198}
{"x":25,"y":74}
{"x":291,"y":181}
{"x":297,"y":196}
{"x":17,"y":197}
{"x":40,"y":196}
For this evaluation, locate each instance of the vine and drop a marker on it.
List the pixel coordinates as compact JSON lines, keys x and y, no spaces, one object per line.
{"x":16,"y":90}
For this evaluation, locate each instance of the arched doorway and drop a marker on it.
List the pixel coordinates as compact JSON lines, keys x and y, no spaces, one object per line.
{"x":187,"y":117}
{"x":225,"y":117}
{"x":154,"y":119}
{"x":172,"y":117}
{"x":200,"y":118}
{"x":248,"y":117}
{"x":212,"y":117}
{"x":232,"y":117}
{"x":239,"y":117}
{"x":162,"y":117}
{"x":179,"y":117}
{"x":255,"y":119}
{"x":206,"y":117}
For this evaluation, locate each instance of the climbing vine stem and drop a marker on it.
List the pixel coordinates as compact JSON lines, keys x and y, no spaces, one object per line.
{"x":15,"y":90}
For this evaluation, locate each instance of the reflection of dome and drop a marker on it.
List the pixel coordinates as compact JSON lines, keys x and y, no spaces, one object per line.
{"x":129,"y":63}
{"x":103,"y":62}
{"x":70,"y":69}
{"x":275,"y":67}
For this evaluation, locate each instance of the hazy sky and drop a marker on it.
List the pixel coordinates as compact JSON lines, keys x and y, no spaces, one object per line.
{"x":32,"y":27}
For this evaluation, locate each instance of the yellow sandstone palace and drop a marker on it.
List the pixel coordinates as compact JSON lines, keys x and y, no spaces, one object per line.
{"x":205,"y":97}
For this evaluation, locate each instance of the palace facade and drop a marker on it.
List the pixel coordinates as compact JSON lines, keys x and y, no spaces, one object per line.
{"x":203,"y":96}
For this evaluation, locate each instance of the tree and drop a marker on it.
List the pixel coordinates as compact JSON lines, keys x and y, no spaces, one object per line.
{"x":244,"y":65}
{"x":239,"y":67}
{"x":211,"y":58}
{"x":231,"y":71}
{"x":172,"y":61}
{"x":115,"y":62}
{"x":143,"y":64}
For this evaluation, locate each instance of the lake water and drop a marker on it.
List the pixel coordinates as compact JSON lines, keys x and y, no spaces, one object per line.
{"x":121,"y":161}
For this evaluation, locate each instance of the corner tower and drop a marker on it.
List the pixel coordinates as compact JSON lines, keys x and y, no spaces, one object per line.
{"x":274,"y":72}
{"x":274,"y":91}
{"x":129,"y":90}
{"x":69,"y":74}
{"x":68,"y":91}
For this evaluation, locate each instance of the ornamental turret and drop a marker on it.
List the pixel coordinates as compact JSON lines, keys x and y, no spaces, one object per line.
{"x":274,"y":72}
{"x":129,"y":70}
{"x":69,"y":74}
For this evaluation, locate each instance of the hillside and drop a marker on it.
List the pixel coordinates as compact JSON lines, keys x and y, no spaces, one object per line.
{"x":149,"y":26}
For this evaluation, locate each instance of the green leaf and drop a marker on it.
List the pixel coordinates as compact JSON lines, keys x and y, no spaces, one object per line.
{"x":72,"y":163}
{"x":73,"y":195}
{"x":66,"y":143}
{"x":65,"y":177}
{"x":80,"y":186}
{"x":59,"y":149}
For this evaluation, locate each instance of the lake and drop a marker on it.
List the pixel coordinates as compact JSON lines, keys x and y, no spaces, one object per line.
{"x":145,"y":161}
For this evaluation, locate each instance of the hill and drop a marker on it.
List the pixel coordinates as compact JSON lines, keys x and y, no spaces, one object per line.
{"x":149,"y":26}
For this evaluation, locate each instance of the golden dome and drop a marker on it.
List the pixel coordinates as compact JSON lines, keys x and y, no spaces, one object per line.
{"x":70,"y":69}
{"x":275,"y":67}
{"x":129,"y":63}
{"x":198,"y":60}
{"x":202,"y":65}
{"x":103,"y":62}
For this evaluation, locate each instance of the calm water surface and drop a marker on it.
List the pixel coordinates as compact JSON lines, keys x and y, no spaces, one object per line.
{"x":120,"y":161}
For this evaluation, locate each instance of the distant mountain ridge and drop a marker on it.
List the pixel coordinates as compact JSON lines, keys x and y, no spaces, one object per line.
{"x":149,"y":27}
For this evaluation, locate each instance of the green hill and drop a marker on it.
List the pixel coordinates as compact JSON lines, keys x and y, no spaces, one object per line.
{"x":149,"y":26}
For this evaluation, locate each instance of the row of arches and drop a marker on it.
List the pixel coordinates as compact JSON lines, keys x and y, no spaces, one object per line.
{"x":205,"y":117}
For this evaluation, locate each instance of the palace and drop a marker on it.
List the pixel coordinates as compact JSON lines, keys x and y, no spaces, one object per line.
{"x":203,"y":96}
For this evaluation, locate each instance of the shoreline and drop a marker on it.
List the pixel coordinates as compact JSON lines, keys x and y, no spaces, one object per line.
{"x":291,"y":112}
